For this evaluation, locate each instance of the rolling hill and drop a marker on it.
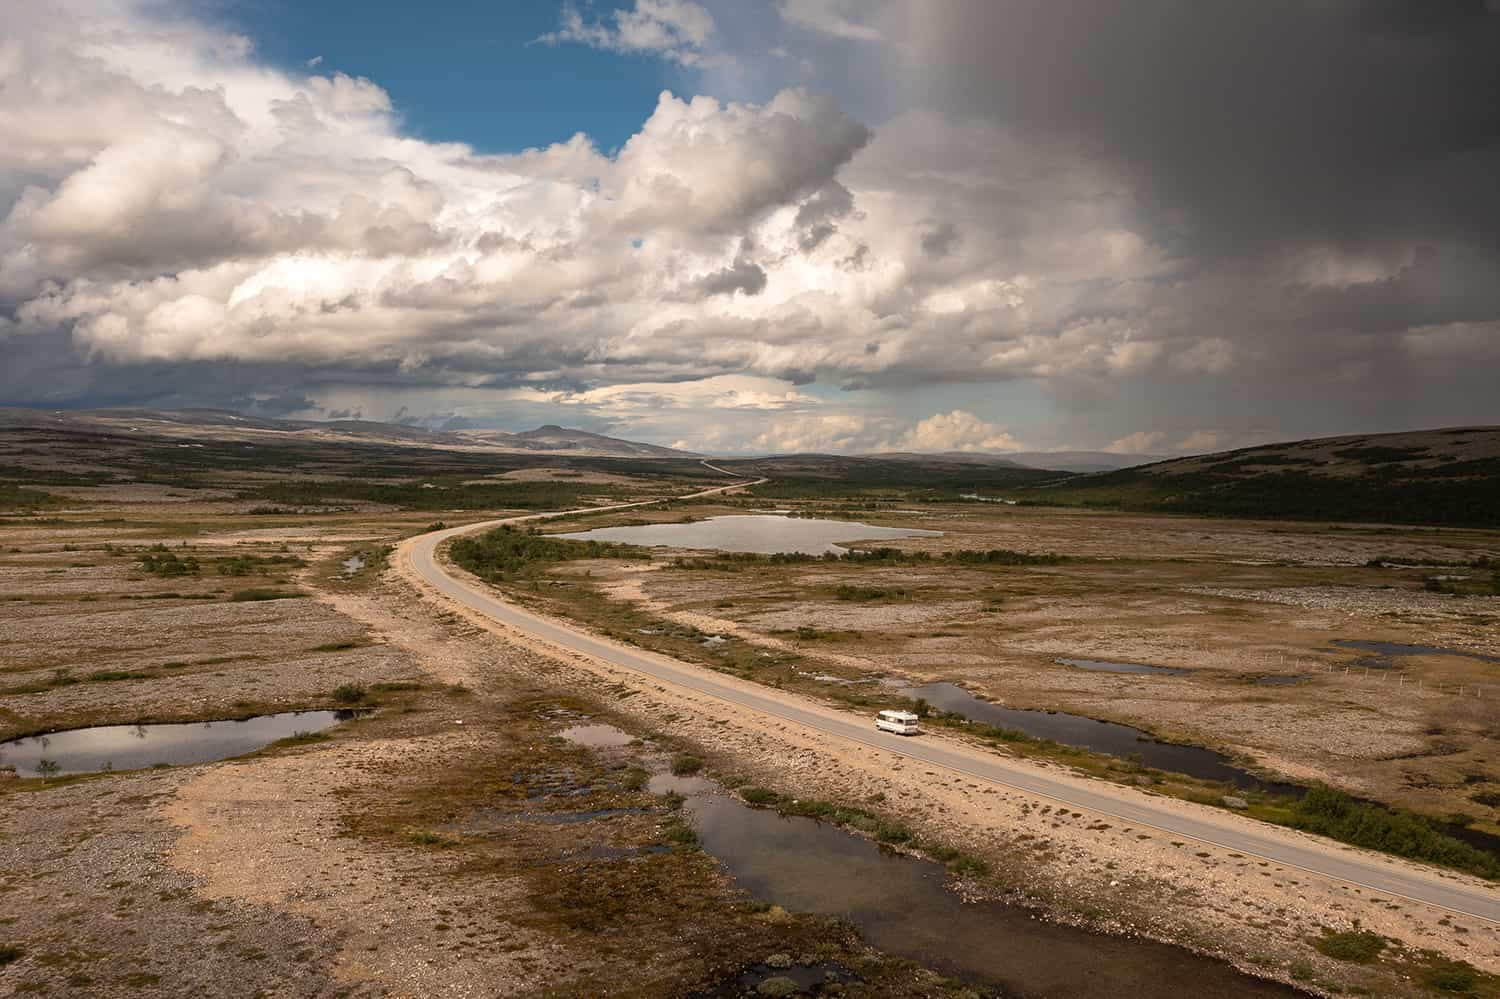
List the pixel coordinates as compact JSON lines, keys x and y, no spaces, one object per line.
{"x":1448,"y":477}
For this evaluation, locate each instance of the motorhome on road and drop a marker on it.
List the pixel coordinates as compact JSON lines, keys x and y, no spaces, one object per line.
{"x":898,"y":722}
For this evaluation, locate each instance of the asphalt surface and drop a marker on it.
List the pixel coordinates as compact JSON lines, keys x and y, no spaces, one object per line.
{"x":1371,"y":872}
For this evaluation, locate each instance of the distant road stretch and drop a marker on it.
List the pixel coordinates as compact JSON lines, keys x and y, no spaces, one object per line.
{"x":1230,"y":832}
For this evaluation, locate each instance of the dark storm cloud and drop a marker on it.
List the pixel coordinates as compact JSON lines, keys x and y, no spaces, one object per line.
{"x":741,"y":276}
{"x":1247,"y":125}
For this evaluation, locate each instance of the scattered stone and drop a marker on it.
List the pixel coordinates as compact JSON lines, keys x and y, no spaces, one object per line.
{"x":778,"y":986}
{"x":779,"y":961}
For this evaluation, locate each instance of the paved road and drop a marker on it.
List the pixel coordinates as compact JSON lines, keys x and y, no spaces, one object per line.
{"x":1230,"y":832}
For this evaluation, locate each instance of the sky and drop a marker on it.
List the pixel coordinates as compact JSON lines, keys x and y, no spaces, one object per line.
{"x":745,"y":226}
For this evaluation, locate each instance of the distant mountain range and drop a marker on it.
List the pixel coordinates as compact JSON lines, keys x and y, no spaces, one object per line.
{"x":222,"y":424}
{"x":219,"y":424}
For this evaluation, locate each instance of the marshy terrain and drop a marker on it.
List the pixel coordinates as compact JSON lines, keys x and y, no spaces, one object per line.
{"x":394,"y":800}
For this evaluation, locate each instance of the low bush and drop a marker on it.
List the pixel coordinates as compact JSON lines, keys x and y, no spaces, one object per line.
{"x":1335,"y":814}
{"x":349,"y":693}
{"x":686,"y":764}
{"x":1454,"y":977}
{"x":500,"y":554}
{"x":160,"y":562}
{"x":1355,"y":945}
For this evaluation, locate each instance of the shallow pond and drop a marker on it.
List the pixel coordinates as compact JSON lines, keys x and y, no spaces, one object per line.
{"x":1383,"y":652}
{"x":131,"y":747}
{"x":901,"y":905}
{"x":1099,"y":736}
{"x":1102,"y":666}
{"x":596,"y":736}
{"x":765,"y":534}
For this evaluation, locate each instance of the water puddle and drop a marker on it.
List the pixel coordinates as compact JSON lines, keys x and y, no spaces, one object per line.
{"x":132,"y":747}
{"x":353,"y":564}
{"x":901,"y":905}
{"x":1103,"y":666}
{"x":672,"y":784}
{"x":1383,"y":654}
{"x":765,"y":534}
{"x":597,"y":736}
{"x":1099,"y":736}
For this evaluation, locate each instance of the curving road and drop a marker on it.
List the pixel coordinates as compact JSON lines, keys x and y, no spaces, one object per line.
{"x":1369,"y":871}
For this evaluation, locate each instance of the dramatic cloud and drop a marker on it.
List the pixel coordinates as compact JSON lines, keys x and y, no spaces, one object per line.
{"x":673,"y":29}
{"x":1159,"y":225}
{"x":955,"y":431}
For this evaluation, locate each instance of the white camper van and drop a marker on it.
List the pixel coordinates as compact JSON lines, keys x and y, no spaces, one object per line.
{"x":899,"y":722}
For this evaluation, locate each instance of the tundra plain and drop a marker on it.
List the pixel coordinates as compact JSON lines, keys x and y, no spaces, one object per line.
{"x":431,"y":845}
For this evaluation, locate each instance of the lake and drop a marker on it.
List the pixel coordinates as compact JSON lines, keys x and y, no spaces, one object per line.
{"x":763,"y":534}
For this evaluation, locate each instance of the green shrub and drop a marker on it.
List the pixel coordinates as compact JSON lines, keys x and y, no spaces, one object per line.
{"x":1456,"y":977}
{"x":160,"y":562}
{"x":500,"y":554}
{"x":635,"y":779}
{"x":759,"y":795}
{"x":1335,"y":814}
{"x":349,"y":693}
{"x":9,"y":953}
{"x":972,"y":866}
{"x":1355,"y":945}
{"x":686,"y":764}
{"x":679,"y":833}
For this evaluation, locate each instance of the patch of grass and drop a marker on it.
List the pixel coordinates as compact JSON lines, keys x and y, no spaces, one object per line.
{"x":1360,"y":946}
{"x":395,"y":686}
{"x":635,"y":779}
{"x":303,"y":739}
{"x":1458,"y":978}
{"x":426,"y":837}
{"x":759,"y":795}
{"x":261,"y":593}
{"x":686,"y":764}
{"x":15,"y":498}
{"x":679,"y":833}
{"x":335,"y":646}
{"x":848,"y":591}
{"x":245,"y":565}
{"x":10,"y":953}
